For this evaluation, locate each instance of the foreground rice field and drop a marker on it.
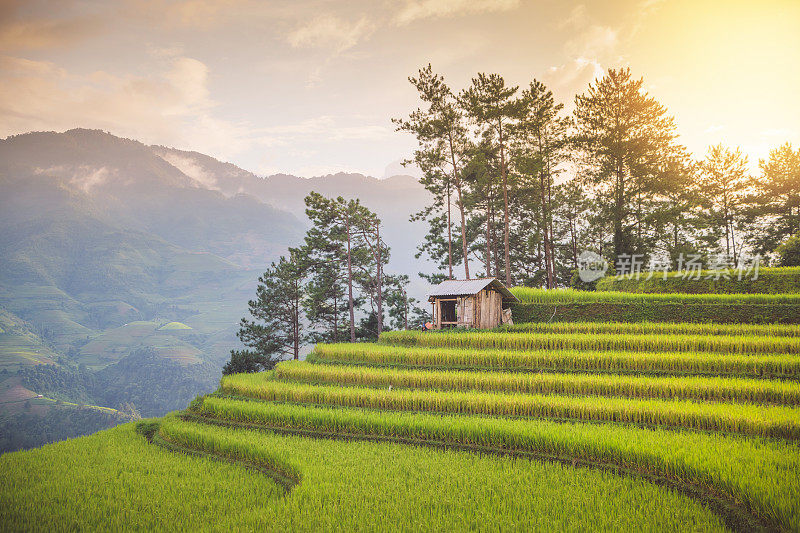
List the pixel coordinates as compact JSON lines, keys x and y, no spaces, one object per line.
{"x":540,"y":427}
{"x":116,"y":480}
{"x":756,"y":472}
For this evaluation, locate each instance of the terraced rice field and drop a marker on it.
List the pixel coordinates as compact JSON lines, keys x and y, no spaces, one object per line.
{"x":534,"y":295}
{"x":543,"y":427}
{"x":116,"y":480}
{"x":668,"y":328}
{"x":713,"y":410}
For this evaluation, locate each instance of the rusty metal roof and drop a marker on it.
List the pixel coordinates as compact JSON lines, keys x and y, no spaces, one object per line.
{"x":468,"y":287}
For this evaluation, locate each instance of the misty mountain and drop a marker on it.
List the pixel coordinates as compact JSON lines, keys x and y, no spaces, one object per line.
{"x":394,"y":199}
{"x":109,"y":247}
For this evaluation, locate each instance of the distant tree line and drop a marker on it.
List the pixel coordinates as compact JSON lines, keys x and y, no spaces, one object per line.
{"x":25,"y":430}
{"x":332,"y":288}
{"x":140,"y":384}
{"x":520,"y":187}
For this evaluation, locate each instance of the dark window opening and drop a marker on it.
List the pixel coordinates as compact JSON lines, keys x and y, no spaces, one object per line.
{"x":449,"y":311}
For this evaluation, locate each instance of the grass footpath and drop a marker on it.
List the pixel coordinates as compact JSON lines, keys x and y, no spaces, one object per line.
{"x":567,"y":296}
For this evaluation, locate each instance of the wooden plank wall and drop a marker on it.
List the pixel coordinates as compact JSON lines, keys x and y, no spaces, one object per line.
{"x":484,"y":310}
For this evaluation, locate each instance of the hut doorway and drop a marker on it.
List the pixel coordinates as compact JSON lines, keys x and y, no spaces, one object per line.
{"x":449,"y":312}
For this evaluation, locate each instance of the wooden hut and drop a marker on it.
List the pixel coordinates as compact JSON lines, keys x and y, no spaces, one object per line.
{"x":473,"y":303}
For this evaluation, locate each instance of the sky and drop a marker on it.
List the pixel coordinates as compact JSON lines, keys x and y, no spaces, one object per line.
{"x":310,"y":87}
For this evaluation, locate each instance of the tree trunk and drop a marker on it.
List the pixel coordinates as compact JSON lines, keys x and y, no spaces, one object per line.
{"x":550,"y":222}
{"x":504,"y":175}
{"x":573,"y":242}
{"x":335,"y":316}
{"x":296,"y":325}
{"x":449,"y":236}
{"x":405,"y":309}
{"x":380,"y":276}
{"x":457,"y":183}
{"x":548,"y":260}
{"x":618,"y":212}
{"x":350,"y":279}
{"x":489,"y":232}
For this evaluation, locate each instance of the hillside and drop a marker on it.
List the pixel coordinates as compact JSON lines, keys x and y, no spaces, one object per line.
{"x":568,"y":426}
{"x":99,"y":233}
{"x":394,"y":199}
{"x":28,"y":419}
{"x":104,"y":240}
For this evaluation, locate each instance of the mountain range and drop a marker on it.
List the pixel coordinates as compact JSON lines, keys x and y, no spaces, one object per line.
{"x":113,"y":252}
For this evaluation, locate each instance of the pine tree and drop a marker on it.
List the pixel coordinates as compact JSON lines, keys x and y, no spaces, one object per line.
{"x":274,"y":330}
{"x":723,"y":183}
{"x":491,"y":105}
{"x":326,"y":304}
{"x":442,"y":137}
{"x":774,"y":213}
{"x":625,"y":137}
{"x":338,"y":219}
{"x":540,"y":148}
{"x":401,"y":306}
{"x":372,"y":254}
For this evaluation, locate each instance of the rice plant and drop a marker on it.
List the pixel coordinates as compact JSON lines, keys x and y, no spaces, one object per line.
{"x":117,"y":481}
{"x":772,"y":421}
{"x":354,"y":486}
{"x":669,"y":388}
{"x":662,"y":328}
{"x":760,"y":474}
{"x":595,"y":341}
{"x":787,"y":366}
{"x":567,"y":296}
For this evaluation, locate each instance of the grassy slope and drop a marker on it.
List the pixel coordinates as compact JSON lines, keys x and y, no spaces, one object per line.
{"x":771,"y":421}
{"x":637,"y":328}
{"x":669,"y":387}
{"x":344,"y":486}
{"x":20,"y":346}
{"x":114,"y":344}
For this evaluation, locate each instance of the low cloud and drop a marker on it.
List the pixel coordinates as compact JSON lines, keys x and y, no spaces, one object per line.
{"x":423,"y":9}
{"x":170,"y":106}
{"x":191,"y":168}
{"x":82,"y":177}
{"x":329,"y":31}
{"x":325,"y":127}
